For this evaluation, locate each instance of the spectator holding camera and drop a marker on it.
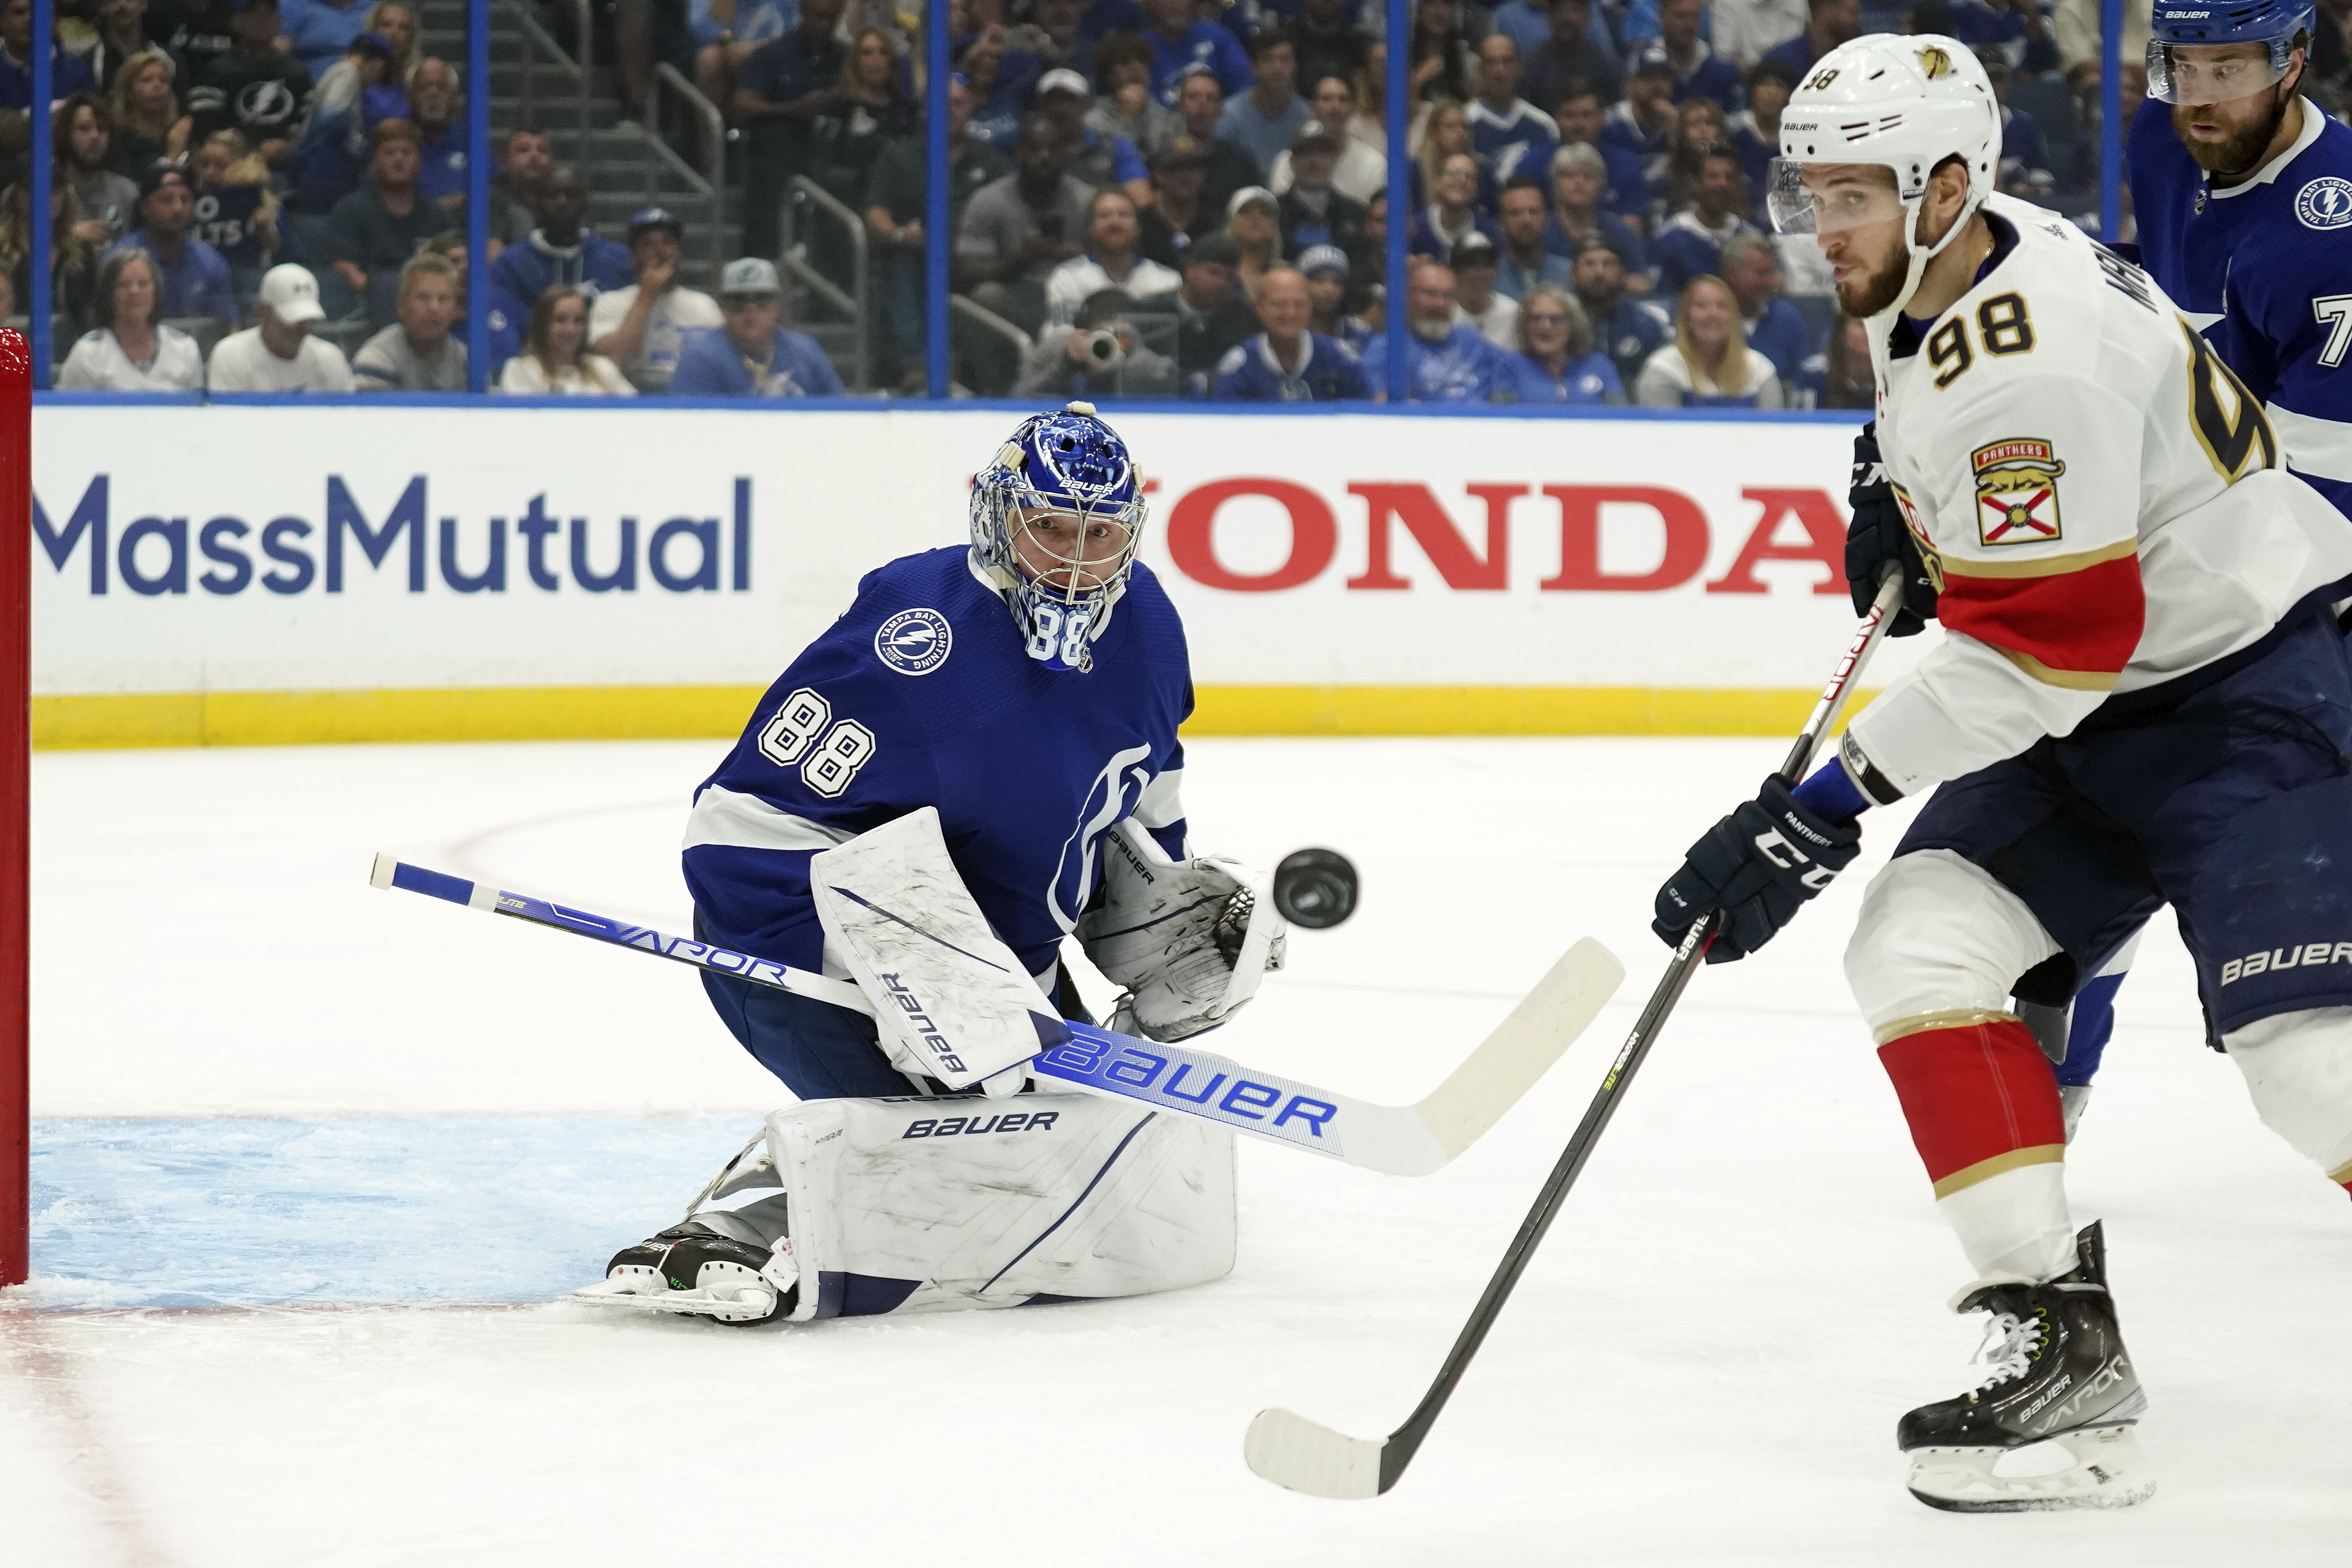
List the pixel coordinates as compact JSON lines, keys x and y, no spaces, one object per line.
{"x":750,"y":356}
{"x":1099,"y":355}
{"x":642,"y":327}
{"x":1445,"y":361}
{"x":1111,"y":261}
{"x":280,"y":353}
{"x":555,"y":360}
{"x":1708,"y":364}
{"x":195,"y":276}
{"x":1556,"y":363}
{"x":1288,"y":362}
{"x":417,"y":353}
{"x":132,"y":349}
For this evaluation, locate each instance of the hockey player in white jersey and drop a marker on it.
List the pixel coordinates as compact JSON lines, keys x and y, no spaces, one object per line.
{"x":2141,"y":697}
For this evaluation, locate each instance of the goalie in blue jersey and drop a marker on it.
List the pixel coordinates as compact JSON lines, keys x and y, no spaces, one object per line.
{"x":1008,"y":711}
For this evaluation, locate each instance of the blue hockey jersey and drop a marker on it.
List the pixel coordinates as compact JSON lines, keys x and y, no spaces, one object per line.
{"x":2264,"y":270}
{"x":920,"y":695}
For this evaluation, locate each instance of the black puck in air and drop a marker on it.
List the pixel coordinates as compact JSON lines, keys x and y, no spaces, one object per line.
{"x":1315,"y":889}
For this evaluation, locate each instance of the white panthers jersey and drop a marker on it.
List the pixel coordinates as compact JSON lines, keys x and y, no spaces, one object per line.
{"x":2100,"y":503}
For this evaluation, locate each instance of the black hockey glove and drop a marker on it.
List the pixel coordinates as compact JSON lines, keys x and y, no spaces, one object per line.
{"x":1758,"y":866}
{"x":1877,"y":536}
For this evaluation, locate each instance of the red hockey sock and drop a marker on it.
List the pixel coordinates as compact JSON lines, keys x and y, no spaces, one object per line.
{"x":1980,"y":1097}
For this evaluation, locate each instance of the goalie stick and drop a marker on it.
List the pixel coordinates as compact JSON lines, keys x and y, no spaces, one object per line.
{"x":1290,"y":1450}
{"x":1397,"y":1140}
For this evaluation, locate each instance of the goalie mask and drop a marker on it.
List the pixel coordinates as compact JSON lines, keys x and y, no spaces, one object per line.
{"x":1904,"y":104}
{"x":1056,"y":517}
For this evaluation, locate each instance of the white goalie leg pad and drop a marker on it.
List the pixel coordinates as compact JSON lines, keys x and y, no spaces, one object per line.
{"x":950,"y":1000}
{"x":914,"y":1206}
{"x":1156,"y":932}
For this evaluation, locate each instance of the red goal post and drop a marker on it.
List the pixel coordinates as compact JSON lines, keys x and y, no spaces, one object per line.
{"x":16,"y":805}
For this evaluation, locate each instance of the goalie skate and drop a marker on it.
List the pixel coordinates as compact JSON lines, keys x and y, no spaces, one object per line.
{"x":2051,"y":1424}
{"x":690,"y":1270}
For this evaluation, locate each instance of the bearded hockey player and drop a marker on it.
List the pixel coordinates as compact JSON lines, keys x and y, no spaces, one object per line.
{"x":2140,"y":698}
{"x":989,"y":728}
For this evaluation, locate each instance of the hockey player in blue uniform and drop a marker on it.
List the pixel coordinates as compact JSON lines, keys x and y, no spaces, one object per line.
{"x":1027,"y":689}
{"x":2243,"y":194}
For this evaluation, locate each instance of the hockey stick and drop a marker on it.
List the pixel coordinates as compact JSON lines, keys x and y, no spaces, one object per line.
{"x":1288,"y":1449}
{"x":1397,"y":1140}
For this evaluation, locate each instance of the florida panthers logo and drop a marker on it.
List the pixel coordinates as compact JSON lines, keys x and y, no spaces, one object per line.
{"x":2017,"y":492}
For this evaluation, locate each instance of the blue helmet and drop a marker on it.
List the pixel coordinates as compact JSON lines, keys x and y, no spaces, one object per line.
{"x":2202,"y":25}
{"x":1056,"y":517}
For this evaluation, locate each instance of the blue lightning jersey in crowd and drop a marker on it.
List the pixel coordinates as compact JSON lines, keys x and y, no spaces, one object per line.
{"x":2264,"y":270}
{"x":921,"y":695}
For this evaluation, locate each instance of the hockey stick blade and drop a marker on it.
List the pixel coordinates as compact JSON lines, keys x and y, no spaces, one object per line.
{"x":1396,"y":1140}
{"x":1291,"y":1451}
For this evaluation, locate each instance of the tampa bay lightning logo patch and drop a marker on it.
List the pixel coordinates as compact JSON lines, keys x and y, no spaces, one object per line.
{"x":2325,"y":203}
{"x":914,"y":642}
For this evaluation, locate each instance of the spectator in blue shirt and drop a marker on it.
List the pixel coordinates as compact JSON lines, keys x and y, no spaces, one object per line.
{"x":195,"y":276}
{"x":67,"y":73}
{"x":1580,"y":178}
{"x":441,"y":140}
{"x":1288,"y":362}
{"x":1628,"y":330}
{"x":1774,"y":327}
{"x":1626,"y":190}
{"x":1510,"y":136}
{"x":1644,"y":125}
{"x":1327,"y":268}
{"x":1699,"y":71}
{"x":1178,"y":42}
{"x":751,"y":356}
{"x":1445,"y":220}
{"x":1524,"y":260}
{"x":561,"y":250}
{"x":318,"y":31}
{"x":1556,"y":363}
{"x":1828,"y":23}
{"x":1690,"y":244}
{"x":1262,"y":120}
{"x":1443,"y":362}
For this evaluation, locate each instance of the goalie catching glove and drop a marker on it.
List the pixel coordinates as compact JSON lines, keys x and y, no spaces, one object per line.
{"x":1189,"y":940}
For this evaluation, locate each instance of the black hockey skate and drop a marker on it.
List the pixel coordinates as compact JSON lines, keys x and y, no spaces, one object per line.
{"x":692,"y":1268}
{"x":2051,"y":1426}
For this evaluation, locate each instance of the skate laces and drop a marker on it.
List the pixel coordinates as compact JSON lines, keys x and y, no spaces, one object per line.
{"x":2008,"y":1349}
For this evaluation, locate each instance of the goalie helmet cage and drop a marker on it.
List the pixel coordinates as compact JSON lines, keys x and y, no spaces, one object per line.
{"x":16,"y":805}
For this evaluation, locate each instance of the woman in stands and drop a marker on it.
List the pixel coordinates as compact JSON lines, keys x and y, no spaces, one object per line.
{"x":130,"y":350}
{"x":1707,"y":365}
{"x":148,"y":125}
{"x":555,"y":360}
{"x":1556,"y":363}
{"x":1839,"y":375}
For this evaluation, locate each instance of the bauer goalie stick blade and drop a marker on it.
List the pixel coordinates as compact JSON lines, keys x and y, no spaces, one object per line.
{"x":1398,"y":1139}
{"x":1288,"y":1449}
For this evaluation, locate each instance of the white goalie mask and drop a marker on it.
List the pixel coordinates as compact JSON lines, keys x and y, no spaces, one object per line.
{"x":1902,"y":103}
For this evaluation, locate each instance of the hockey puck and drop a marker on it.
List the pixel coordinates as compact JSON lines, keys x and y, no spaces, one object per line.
{"x":1315,"y":889}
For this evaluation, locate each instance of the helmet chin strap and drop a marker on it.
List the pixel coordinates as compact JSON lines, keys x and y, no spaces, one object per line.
{"x":1918,"y":269}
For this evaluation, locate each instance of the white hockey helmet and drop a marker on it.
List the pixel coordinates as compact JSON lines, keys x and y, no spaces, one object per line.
{"x":1905,"y":103}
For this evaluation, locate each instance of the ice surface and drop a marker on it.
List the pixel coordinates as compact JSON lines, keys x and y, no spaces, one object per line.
{"x":261,"y":1080}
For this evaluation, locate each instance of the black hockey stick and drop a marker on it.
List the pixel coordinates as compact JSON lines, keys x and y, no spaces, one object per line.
{"x":1288,"y":1449}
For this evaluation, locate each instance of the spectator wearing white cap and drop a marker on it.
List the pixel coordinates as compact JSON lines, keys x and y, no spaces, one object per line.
{"x":1361,"y":172}
{"x":1111,"y":261}
{"x":752,"y":356}
{"x":1326,"y":269}
{"x":1096,"y":159}
{"x":642,"y":328}
{"x":1262,"y":120}
{"x":1477,"y":301}
{"x":1289,"y":361}
{"x":1254,"y":222}
{"x":280,"y":355}
{"x":416,"y":353}
{"x":131,"y":350}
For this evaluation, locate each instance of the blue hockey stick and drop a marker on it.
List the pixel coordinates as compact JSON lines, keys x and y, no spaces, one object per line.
{"x":1399,"y":1139}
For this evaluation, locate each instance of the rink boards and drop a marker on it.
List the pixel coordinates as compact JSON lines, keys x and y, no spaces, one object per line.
{"x":341,"y":572}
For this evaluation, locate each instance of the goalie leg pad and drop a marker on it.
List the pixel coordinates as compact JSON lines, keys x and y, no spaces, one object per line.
{"x":912,"y":1206}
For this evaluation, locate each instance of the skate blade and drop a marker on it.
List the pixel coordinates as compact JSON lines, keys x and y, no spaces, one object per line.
{"x":2098,"y":1467}
{"x":752,"y":1303}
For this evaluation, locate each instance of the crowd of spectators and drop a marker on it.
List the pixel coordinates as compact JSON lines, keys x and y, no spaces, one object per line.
{"x":1147,"y":197}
